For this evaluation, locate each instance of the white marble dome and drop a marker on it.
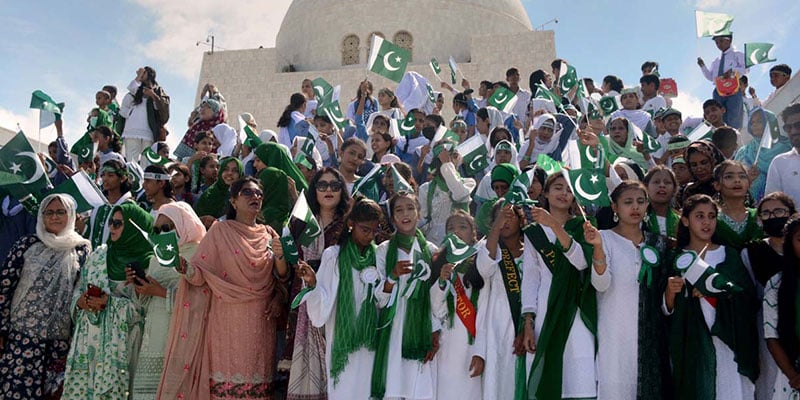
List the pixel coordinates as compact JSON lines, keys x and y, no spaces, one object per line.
{"x":333,"y":34}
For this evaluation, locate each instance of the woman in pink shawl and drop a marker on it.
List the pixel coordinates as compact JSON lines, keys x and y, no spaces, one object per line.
{"x":222,"y":334}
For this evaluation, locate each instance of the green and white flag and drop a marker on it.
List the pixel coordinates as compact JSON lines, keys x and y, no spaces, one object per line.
{"x":302,"y":159}
{"x":474,"y":154}
{"x":757,"y":53}
{"x":549,"y":165}
{"x":50,"y":167}
{"x":702,"y":276}
{"x":289,"y":247}
{"x":700,"y":132}
{"x":400,"y":183}
{"x":518,"y":191}
{"x":431,"y":95}
{"x":453,"y":69}
{"x":165,"y":246}
{"x":503,"y":99}
{"x":83,"y":190}
{"x":568,"y":77}
{"x":542,"y":92}
{"x":24,"y":171}
{"x":247,"y":132}
{"x":407,"y":125}
{"x":457,"y":250}
{"x":388,"y":59}
{"x":583,"y":157}
{"x":368,"y":184}
{"x":302,"y":212}
{"x":49,"y":110}
{"x":85,"y":148}
{"x":323,"y":91}
{"x":589,"y":186}
{"x":153,"y":158}
{"x":334,"y":113}
{"x":651,"y":145}
{"x":435,"y":66}
{"x":712,"y":24}
{"x":609,"y":104}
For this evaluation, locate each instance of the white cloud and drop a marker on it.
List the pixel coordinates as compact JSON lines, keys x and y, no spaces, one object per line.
{"x":179,"y":25}
{"x":688,"y":104}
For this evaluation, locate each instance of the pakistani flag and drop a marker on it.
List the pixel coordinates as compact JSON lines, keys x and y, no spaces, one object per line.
{"x":388,"y":59}
{"x":757,"y":53}
{"x":400,"y":183}
{"x":457,"y":250}
{"x":306,"y":145}
{"x":289,"y":246}
{"x":702,"y":276}
{"x":250,"y":136}
{"x":334,"y":113}
{"x":453,"y":69}
{"x":582,"y":92}
{"x":474,"y":154}
{"x":568,"y":77}
{"x":302,"y":159}
{"x":549,"y":165}
{"x":323,"y":91}
{"x":518,"y":192}
{"x":49,"y":110}
{"x":23,"y":171}
{"x":407,"y":126}
{"x":543,"y":92}
{"x":700,"y":132}
{"x":153,"y":158}
{"x":50,"y":167}
{"x":589,"y":186}
{"x":609,"y":104}
{"x":712,"y":24}
{"x":302,"y":212}
{"x":83,"y":190}
{"x":165,"y":246}
{"x":503,"y":99}
{"x":582,"y":156}
{"x":589,"y":106}
{"x":368,"y":184}
{"x":431,"y":95}
{"x":435,"y":66}
{"x":85,"y":148}
{"x":651,"y":145}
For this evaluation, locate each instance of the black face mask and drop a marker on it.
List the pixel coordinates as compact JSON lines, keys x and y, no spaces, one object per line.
{"x":774,"y":226}
{"x":428,"y":132}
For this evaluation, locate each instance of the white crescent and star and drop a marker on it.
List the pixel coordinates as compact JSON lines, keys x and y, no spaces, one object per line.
{"x":320,"y":90}
{"x":405,"y":127}
{"x":582,"y":192}
{"x":456,"y":251}
{"x":314,"y":232}
{"x":333,"y":116}
{"x":39,"y":171}
{"x":501,"y":98}
{"x":474,"y":160}
{"x":589,"y":156}
{"x":86,"y":152}
{"x":710,"y":283}
{"x":161,"y":260}
{"x":388,"y":64}
{"x":753,"y":59}
{"x":152,"y":160}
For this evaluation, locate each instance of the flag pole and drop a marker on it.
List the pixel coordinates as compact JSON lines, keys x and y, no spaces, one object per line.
{"x":39,"y":145}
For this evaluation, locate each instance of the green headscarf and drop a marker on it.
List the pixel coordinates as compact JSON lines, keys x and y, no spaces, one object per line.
{"x":504,"y":172}
{"x":131,"y":245}
{"x":214,"y":200}
{"x":629,"y":150}
{"x":277,"y":204}
{"x":104,"y":119}
{"x":276,"y":156}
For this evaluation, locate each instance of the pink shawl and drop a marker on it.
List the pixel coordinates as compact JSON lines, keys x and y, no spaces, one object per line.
{"x":234,"y":264}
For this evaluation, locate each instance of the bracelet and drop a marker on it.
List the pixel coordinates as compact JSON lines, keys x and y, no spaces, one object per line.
{"x":390,"y":280}
{"x":600,"y":261}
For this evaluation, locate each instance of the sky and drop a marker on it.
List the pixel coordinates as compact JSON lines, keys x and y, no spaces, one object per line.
{"x":71,"y":49}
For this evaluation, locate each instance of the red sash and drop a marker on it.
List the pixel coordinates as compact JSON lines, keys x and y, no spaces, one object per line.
{"x":464,"y":308}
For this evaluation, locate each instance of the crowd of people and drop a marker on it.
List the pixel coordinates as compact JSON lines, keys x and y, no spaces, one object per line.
{"x":425,"y":280}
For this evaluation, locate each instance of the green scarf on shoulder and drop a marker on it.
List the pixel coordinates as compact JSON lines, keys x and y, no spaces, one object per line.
{"x":417,"y":335}
{"x":131,"y":245}
{"x":214,"y":200}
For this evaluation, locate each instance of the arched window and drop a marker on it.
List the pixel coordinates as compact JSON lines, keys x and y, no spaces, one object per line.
{"x":406,"y":41}
{"x":350,"y":51}
{"x":369,"y":40}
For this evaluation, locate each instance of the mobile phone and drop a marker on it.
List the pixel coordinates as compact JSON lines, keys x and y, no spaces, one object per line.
{"x":140,"y":274}
{"x":94,"y":291}
{"x":527,"y":210}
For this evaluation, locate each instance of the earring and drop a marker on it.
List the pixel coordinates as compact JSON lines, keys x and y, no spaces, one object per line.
{"x":349,"y":229}
{"x":616,"y":217}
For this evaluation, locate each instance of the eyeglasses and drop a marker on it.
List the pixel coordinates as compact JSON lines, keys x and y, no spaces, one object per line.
{"x":776,"y":213}
{"x":795,"y":126}
{"x":116,"y":223}
{"x":334,"y":186}
{"x":252,"y":193}
{"x":50,"y":213}
{"x":163,"y":228}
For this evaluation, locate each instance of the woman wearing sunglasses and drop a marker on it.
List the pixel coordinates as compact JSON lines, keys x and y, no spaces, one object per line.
{"x":222,"y":341}
{"x":107,"y":318}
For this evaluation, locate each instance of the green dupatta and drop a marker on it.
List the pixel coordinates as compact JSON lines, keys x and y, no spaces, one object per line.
{"x":726,"y":236}
{"x":131,"y":245}
{"x":214,"y":200}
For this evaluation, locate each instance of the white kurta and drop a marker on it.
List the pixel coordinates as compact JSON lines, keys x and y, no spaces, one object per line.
{"x":354,"y":380}
{"x":730,"y":384}
{"x":578,"y":372}
{"x":498,"y":375}
{"x":455,"y":353}
{"x":406,"y":379}
{"x":782,"y":389}
{"x":442,"y":206}
{"x":617,"y":318}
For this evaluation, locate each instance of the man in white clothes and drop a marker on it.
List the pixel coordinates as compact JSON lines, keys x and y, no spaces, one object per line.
{"x":784,"y":171}
{"x":651,"y":100}
{"x":630,"y":111}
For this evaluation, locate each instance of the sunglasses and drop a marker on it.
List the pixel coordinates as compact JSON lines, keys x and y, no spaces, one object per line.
{"x":50,"y":213}
{"x":791,"y":127}
{"x":252,"y":193}
{"x":163,"y":228}
{"x":116,"y":223}
{"x":334,"y":186}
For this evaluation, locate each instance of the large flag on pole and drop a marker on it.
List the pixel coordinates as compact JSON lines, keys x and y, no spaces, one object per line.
{"x":757,"y":53}
{"x":49,"y":110}
{"x":388,"y":59}
{"x":83,"y":190}
{"x":712,"y":24}
{"x":24,"y":172}
{"x":323,"y":91}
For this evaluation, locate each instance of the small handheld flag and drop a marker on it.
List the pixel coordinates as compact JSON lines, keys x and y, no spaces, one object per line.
{"x":589,"y":186}
{"x":302,"y":212}
{"x":388,"y":59}
{"x":503,"y":99}
{"x":165,"y":246}
{"x":50,"y":111}
{"x":474,"y":155}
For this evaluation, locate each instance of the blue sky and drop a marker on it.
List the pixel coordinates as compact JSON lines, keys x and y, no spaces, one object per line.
{"x":71,"y":49}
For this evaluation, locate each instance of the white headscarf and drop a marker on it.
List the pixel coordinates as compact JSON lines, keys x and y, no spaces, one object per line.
{"x":67,"y":238}
{"x":543,"y":147}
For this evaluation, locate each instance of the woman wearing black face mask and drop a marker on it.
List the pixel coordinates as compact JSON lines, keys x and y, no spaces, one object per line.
{"x":763,"y":259}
